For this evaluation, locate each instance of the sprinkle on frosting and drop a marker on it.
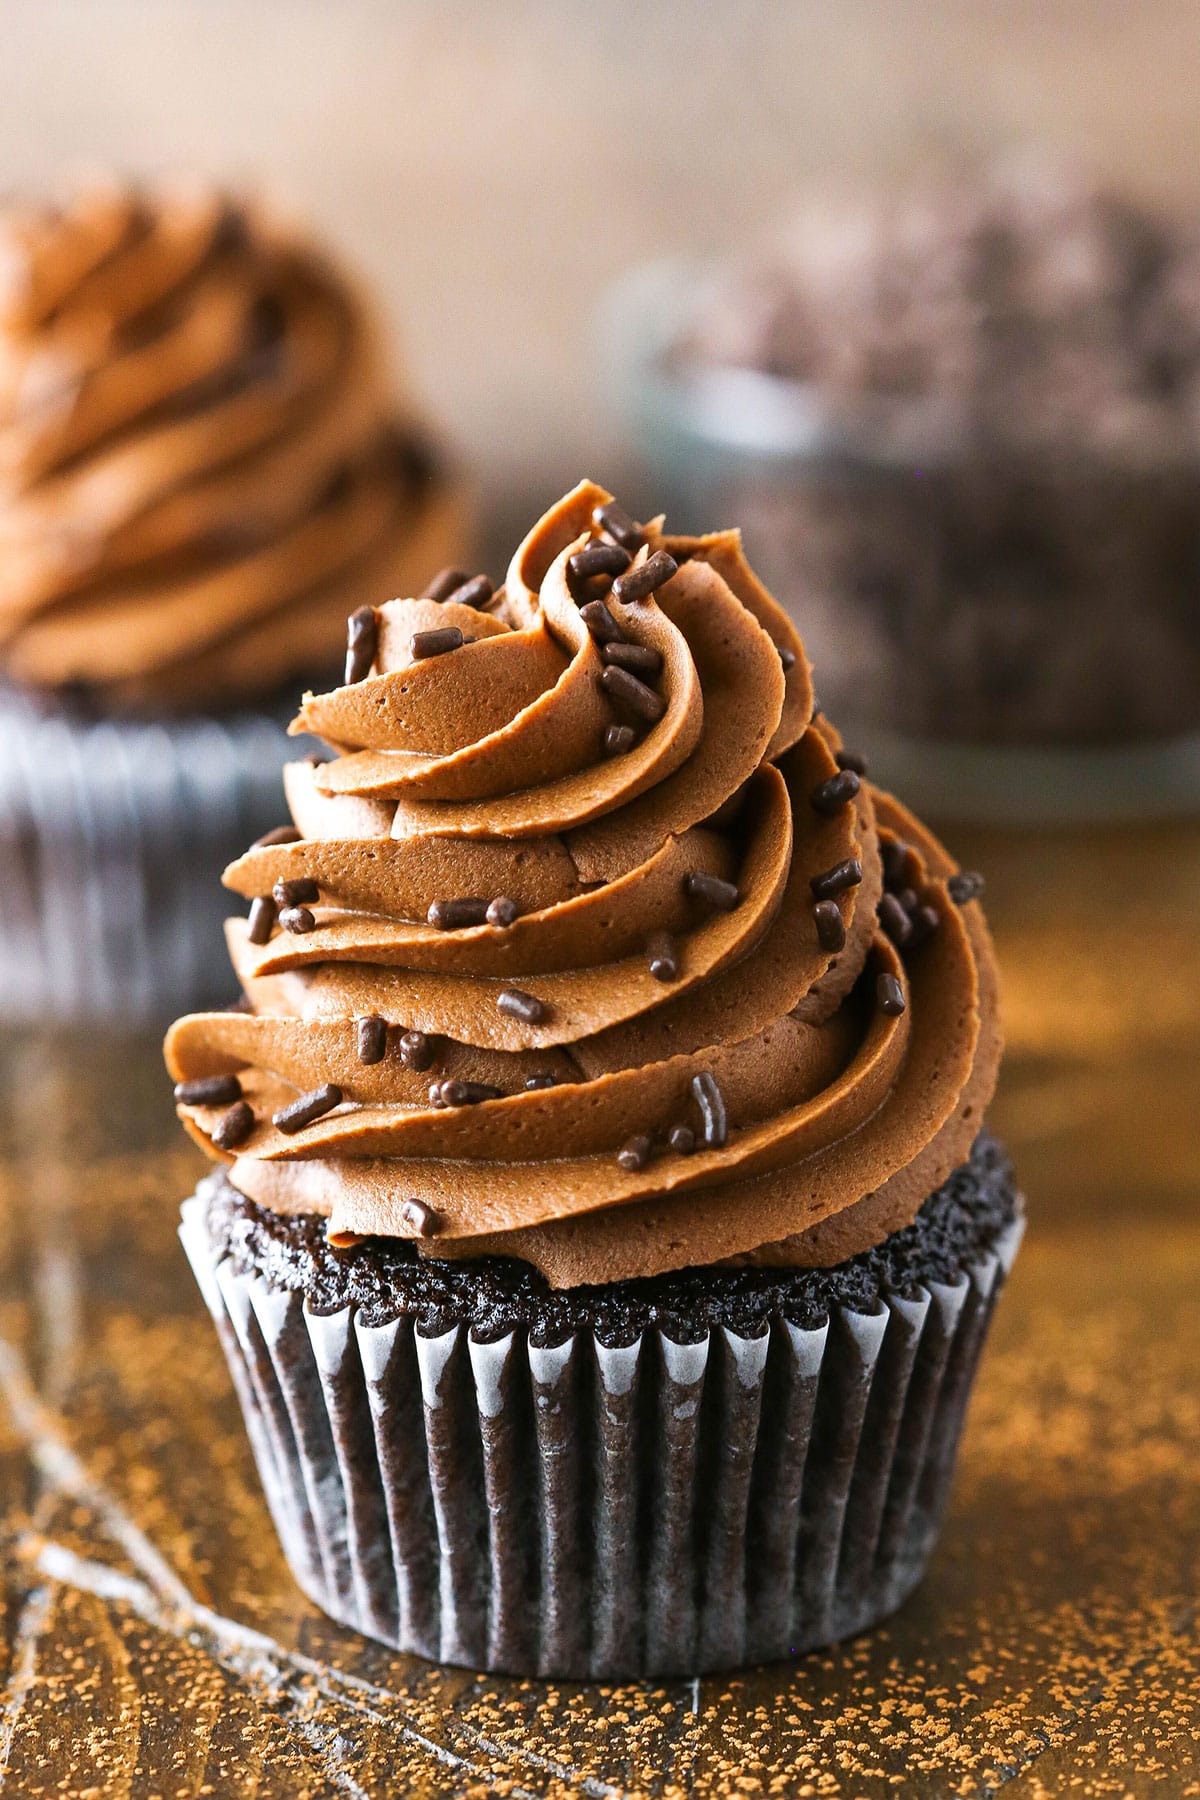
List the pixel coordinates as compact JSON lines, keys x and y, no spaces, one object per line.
{"x":476,"y":591}
{"x":308,"y":1107}
{"x":666,"y":1030}
{"x":420,"y":1219}
{"x":646,"y":578}
{"x":435,"y":643}
{"x":263,"y":913}
{"x":966,"y":885}
{"x":831,"y":927}
{"x":208,"y":1090}
{"x":445,"y":582}
{"x":663,"y":954}
{"x":636,"y":1153}
{"x":234,"y":1126}
{"x":301,"y":890}
{"x":828,"y":797}
{"x":847,"y":873}
{"x":371,"y":1039}
{"x":710,"y":1100}
{"x":362,"y":634}
{"x":517,"y":1004}
{"x":890,"y":995}
{"x":616,"y":524}
{"x":596,"y":559}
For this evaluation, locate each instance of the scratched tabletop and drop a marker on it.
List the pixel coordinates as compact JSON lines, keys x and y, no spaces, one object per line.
{"x":153,"y":1643}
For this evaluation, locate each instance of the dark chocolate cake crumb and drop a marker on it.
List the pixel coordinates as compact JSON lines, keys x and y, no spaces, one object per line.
{"x":385,"y":1278}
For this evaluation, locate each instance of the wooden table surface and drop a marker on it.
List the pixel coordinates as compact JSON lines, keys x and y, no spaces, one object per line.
{"x":153,"y":1643}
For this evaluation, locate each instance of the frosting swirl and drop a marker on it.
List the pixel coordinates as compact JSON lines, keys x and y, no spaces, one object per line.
{"x":725,"y":1004}
{"x":201,"y":462}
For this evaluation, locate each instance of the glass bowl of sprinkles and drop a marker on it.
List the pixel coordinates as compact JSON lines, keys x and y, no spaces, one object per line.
{"x":989,"y":533}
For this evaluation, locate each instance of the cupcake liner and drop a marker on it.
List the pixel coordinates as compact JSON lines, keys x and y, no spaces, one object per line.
{"x":112,"y":836}
{"x":593,"y":1511}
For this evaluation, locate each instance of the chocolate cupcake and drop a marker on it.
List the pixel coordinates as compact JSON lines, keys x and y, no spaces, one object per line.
{"x":961,"y":427}
{"x":605,"y":1234}
{"x":202,"y":463}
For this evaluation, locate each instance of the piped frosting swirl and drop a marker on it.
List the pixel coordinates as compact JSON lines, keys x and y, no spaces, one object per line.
{"x":705,"y":998}
{"x":202,"y":463}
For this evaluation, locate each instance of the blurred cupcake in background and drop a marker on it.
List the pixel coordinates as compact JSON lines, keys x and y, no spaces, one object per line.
{"x":203,"y":466}
{"x":962,"y":430}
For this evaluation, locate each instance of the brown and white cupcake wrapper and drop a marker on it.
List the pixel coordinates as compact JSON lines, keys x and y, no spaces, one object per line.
{"x":112,"y":838}
{"x":585,"y":1511}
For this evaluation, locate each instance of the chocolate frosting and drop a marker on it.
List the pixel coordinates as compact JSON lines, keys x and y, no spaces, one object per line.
{"x":852,"y":1080}
{"x":202,"y":465}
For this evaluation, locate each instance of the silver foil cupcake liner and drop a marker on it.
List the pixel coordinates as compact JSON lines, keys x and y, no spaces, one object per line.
{"x":113,"y":834}
{"x":593,"y":1512}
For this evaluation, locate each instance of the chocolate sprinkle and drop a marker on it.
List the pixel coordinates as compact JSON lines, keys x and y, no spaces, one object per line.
{"x":966,"y":885}
{"x":890,"y":996}
{"x":639,"y":659}
{"x":664,"y":956}
{"x":924,"y":921}
{"x":307,"y":1108}
{"x":843,"y":875}
{"x":850,"y":759}
{"x":468,"y":1093}
{"x":831,"y":927}
{"x":711,"y":1102}
{"x":712,"y":890}
{"x":234,"y":1126}
{"x":619,"y":739}
{"x":502,"y":912}
{"x":600,"y":623}
{"x":893,"y":853}
{"x":894,"y":919}
{"x":636,"y":1153}
{"x":298,"y":920}
{"x":421,"y":1219}
{"x":445,"y":583}
{"x":628,"y":692}
{"x":297,"y":892}
{"x":423,"y":644}
{"x":458,"y":915}
{"x":209,"y":1090}
{"x":682,"y":1140}
{"x":829,"y":797}
{"x":614,"y":520}
{"x":362,"y":638}
{"x":262,"y":919}
{"x":476,"y":592}
{"x":371,"y":1038}
{"x":640,"y":583}
{"x":515,"y":1003}
{"x":596,"y":559}
{"x":282,"y":834}
{"x":540,"y":1081}
{"x":416,"y":1051}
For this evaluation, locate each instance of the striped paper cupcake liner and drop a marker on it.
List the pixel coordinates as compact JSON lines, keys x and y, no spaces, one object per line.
{"x":112,"y":837}
{"x":588,"y":1511}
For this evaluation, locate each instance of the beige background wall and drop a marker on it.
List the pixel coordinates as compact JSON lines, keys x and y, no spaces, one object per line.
{"x":494,"y":165}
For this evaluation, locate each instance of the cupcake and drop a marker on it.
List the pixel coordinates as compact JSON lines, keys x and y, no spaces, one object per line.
{"x":604,"y":1229}
{"x":202,"y":464}
{"x":961,"y":425}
